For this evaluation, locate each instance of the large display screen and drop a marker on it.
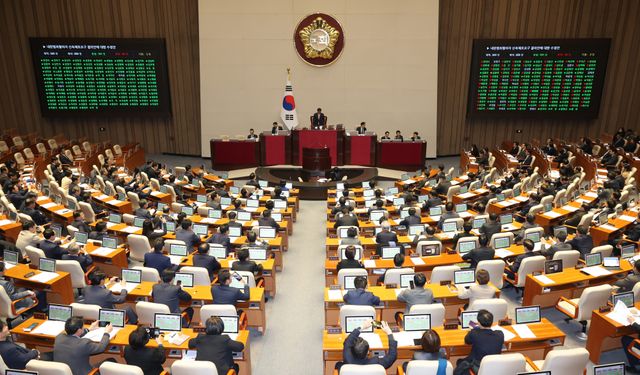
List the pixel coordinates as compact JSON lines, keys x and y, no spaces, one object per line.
{"x":543,"y":78}
{"x":101,"y":76}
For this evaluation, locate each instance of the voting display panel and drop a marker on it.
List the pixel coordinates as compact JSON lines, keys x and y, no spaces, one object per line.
{"x":543,"y":78}
{"x":101,"y":76}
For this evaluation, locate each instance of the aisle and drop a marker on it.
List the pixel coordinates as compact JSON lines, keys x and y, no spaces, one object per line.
{"x":295,"y":318}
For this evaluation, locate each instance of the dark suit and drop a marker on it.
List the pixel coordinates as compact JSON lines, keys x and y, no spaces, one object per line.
{"x":383,"y":239}
{"x":483,"y":342}
{"x":188,"y":237}
{"x":560,"y":246}
{"x":347,"y":220}
{"x":82,"y":226}
{"x":627,"y":284}
{"x":268,"y":222}
{"x":52,"y":249}
{"x":361,"y":130}
{"x":489,"y":229}
{"x":432,"y":202}
{"x":318,"y":120}
{"x":158,"y":261}
{"x":247,"y":265}
{"x":386,"y":361}
{"x":84,"y":260}
{"x":479,"y":254}
{"x":348,"y":263}
{"x":221,"y":239}
{"x":98,"y":236}
{"x":150,"y":360}
{"x":446,"y":216}
{"x":101,"y":296}
{"x":15,"y":356}
{"x":361,"y":297}
{"x":38,"y":217}
{"x":207,"y":261}
{"x":442,"y":188}
{"x":75,"y":351}
{"x":228,"y":295}
{"x":582,"y":243}
{"x":170,"y":295}
{"x":410,"y":220}
{"x":218,"y":349}
{"x":144,"y":213}
{"x":518,"y":261}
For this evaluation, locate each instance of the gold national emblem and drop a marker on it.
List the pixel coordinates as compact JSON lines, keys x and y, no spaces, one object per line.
{"x":319,"y":39}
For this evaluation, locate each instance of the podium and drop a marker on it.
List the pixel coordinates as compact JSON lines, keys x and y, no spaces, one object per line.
{"x":360,"y":149}
{"x":407,"y":156}
{"x":316,"y":159}
{"x":332,"y":139}
{"x":234,"y":154}
{"x":276,"y":148}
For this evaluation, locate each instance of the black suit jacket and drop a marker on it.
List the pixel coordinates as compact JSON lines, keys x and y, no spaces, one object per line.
{"x":318,"y":120}
{"x":150,"y":360}
{"x":52,"y":249}
{"x":476,"y":255}
{"x":207,"y":261}
{"x":217,"y":349}
{"x":347,"y":220}
{"x":15,"y":356}
{"x":489,"y":229}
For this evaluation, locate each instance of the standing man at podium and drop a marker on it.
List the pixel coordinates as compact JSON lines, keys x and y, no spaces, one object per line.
{"x":362,"y":129}
{"x":318,"y":120}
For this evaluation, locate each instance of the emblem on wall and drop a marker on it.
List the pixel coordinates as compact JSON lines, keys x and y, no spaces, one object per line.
{"x":319,"y":39}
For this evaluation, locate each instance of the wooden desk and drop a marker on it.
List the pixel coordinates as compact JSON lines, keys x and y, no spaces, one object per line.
{"x":201,"y":294}
{"x":547,"y":336}
{"x":569,"y":283}
{"x":604,"y":335}
{"x":58,"y":290}
{"x":121,"y":340}
{"x":10,"y":230}
{"x":368,"y":243}
{"x":111,"y":263}
{"x":160,"y":197}
{"x":57,"y":212}
{"x":112,"y":204}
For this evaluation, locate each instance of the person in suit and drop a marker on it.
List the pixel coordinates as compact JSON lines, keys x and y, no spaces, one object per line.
{"x":14,"y":355}
{"x":149,"y":231}
{"x":352,"y":238}
{"x":449,"y":213}
{"x":36,"y":215}
{"x":627,"y":284}
{"x":80,"y":222}
{"x":252,"y":241}
{"x":252,"y":134}
{"x":362,"y":129}
{"x":429,"y":234}
{"x":491,"y":227}
{"x":483,"y":340}
{"x":143,"y":210}
{"x":186,"y":234}
{"x":479,"y":254}
{"x":267,"y":221}
{"x":81,"y":257}
{"x":171,"y":295}
{"x":574,"y":221}
{"x":232,"y":220}
{"x":610,"y":158}
{"x":17,"y":196}
{"x":560,"y":245}
{"x":582,"y":241}
{"x":411,"y":219}
{"x":529,"y":223}
{"x":356,"y":349}
{"x":467,"y":227}
{"x":245,"y":264}
{"x":202,"y":259}
{"x":480,"y":290}
{"x":443,"y":186}
{"x":28,"y":236}
{"x":386,"y":136}
{"x":275,"y":128}
{"x":98,"y":293}
{"x":359,"y":295}
{"x":18,"y":293}
{"x":512,"y":269}
{"x":318,"y":120}
{"x":156,"y":259}
{"x":224,"y":294}
{"x":213,"y":346}
{"x":385,"y":238}
{"x":378,"y":206}
{"x":398,"y":136}
{"x":350,"y":259}
{"x":137,"y":353}
{"x":50,"y":247}
{"x":347,"y":219}
{"x":99,"y":232}
{"x":72,"y":349}
{"x":415,"y":137}
{"x":222,"y":237}
{"x":418,"y":294}
{"x":433,"y":201}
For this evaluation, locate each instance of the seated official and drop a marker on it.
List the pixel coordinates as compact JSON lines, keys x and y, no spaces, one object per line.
{"x":529,"y":223}
{"x":362,"y":129}
{"x":350,"y":259}
{"x":99,"y":293}
{"x":512,"y":269}
{"x":377,"y":206}
{"x":252,"y":241}
{"x":449,"y":213}
{"x":99,"y":232}
{"x":582,"y":241}
{"x":202,"y":259}
{"x":418,"y":295}
{"x":73,"y":350}
{"x":386,"y":238}
{"x":483,"y":341}
{"x":222,"y":238}
{"x":28,"y":237}
{"x":359,"y":295}
{"x":143,"y":210}
{"x":275,"y":128}
{"x":467,"y":227}
{"x":433,"y":200}
{"x":186,"y":234}
{"x":51,"y":246}
{"x":137,"y":353}
{"x":252,"y":134}
{"x":216,"y":347}
{"x":398,"y":262}
{"x":79,"y":256}
{"x":18,"y":293}
{"x":149,"y":231}
{"x":244,"y":264}
{"x":560,"y":245}
{"x":318,"y":120}
{"x":224,"y":294}
{"x":352,"y":238}
{"x":14,"y":355}
{"x":398,"y":136}
{"x":481,"y":253}
{"x":431,"y":350}
{"x":156,"y":259}
{"x":347,"y":219}
{"x":480,"y":290}
{"x":415,"y":137}
{"x":267,"y":221}
{"x":429,"y":234}
{"x":386,"y":136}
{"x":411,"y":219}
{"x":491,"y":226}
{"x":356,"y":349}
{"x":627,"y":284}
{"x":36,"y":215}
{"x":171,"y":295}
{"x":232,"y":220}
{"x":442,"y":188}
{"x":80,"y":223}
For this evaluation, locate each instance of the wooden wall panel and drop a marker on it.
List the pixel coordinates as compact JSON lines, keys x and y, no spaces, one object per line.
{"x":174,"y":20}
{"x":461,"y":21}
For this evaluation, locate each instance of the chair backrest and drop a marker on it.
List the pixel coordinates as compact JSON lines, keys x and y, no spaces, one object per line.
{"x":200,"y":275}
{"x":3,"y":146}
{"x":155,"y":184}
{"x":533,"y":230}
{"x":172,"y":193}
{"x":28,"y":154}
{"x":72,"y":230}
{"x":76,"y":150}
{"x":569,"y":257}
{"x":586,"y":219}
{"x":128,"y":219}
{"x":496,"y":306}
{"x":359,"y":251}
{"x":208,"y":311}
{"x":146,"y":311}
{"x":422,"y":244}
{"x":48,"y":367}
{"x":176,"y":207}
{"x":528,"y":266}
{"x":87,"y":312}
{"x":52,"y":144}
{"x":392,"y":276}
{"x":149,"y":274}
{"x":184,"y":367}
{"x":495,"y":236}
{"x":3,"y":366}
{"x":467,"y":239}
{"x":591,"y":299}
{"x":86,"y":146}
{"x":566,"y":361}
{"x":442,"y":273}
{"x":458,"y":220}
{"x":536,"y":209}
{"x":34,"y":254}
{"x":135,"y":200}
{"x":350,"y":272}
{"x":139,"y":245}
{"x":362,"y":370}
{"x":427,"y":368}
{"x":117,"y":150}
{"x":436,"y":310}
{"x":179,"y":171}
{"x":114,"y":368}
{"x":495,"y":267}
{"x":502,"y":364}
{"x":5,"y":305}
{"x":355,"y":310}
{"x":87,"y":210}
{"x":17,"y":141}
{"x":248,"y":275}
{"x":74,"y":269}
{"x":604,"y":250}
{"x":636,"y":291}
{"x":453,"y":190}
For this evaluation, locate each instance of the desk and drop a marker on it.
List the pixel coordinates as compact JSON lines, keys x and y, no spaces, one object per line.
{"x":112,"y":204}
{"x":10,"y":230}
{"x":308,"y":138}
{"x":368,"y":243}
{"x":316,"y":159}
{"x":58,"y":290}
{"x":57,"y":212}
{"x":605,"y":334}
{"x":112,"y":264}
{"x":547,"y":336}
{"x":407,"y":156}
{"x":360,"y":149}
{"x":276,"y":149}
{"x":121,"y":340}
{"x":234,"y":154}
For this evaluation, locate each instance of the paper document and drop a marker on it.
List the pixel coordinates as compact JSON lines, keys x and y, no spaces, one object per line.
{"x":508,"y":335}
{"x":110,"y":225}
{"x":208,"y":220}
{"x":544,"y":279}
{"x":621,"y":313}
{"x":42,"y":198}
{"x":117,"y":287}
{"x":43,"y":277}
{"x":591,"y":194}
{"x":373,"y":339}
{"x":503,"y":253}
{"x":466,"y":195}
{"x":189,"y":355}
{"x":49,"y":205}
{"x":156,"y":193}
{"x":609,"y":227}
{"x":520,"y":198}
{"x":63,"y":211}
{"x":409,"y":181}
{"x":369,"y":263}
{"x":96,"y":334}
{"x":49,"y":328}
{"x":465,"y":214}
{"x":417,"y":261}
{"x":5,"y":222}
{"x":8,"y":266}
{"x":130,"y":229}
{"x":336,"y":294}
{"x":523,"y":331}
{"x":626,"y":218}
{"x":102,"y":197}
{"x":570,"y":208}
{"x":114,"y":202}
{"x":232,"y":336}
{"x":454,"y":183}
{"x":404,"y":339}
{"x":102,"y":251}
{"x":175,"y":259}
{"x":176,"y":338}
{"x":596,"y":271}
{"x":552,"y":214}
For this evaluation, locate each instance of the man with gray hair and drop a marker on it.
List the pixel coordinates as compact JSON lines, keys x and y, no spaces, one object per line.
{"x":386,"y":238}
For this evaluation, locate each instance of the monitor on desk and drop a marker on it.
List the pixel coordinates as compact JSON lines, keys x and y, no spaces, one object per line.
{"x":423,"y":198}
{"x":349,"y":282}
{"x":558,"y":230}
{"x":506,"y":219}
{"x":450,"y":226}
{"x":201,"y":229}
{"x":392,"y":191}
{"x":353,"y":322}
{"x":214,"y":214}
{"x":342,"y":232}
{"x":466,"y":317}
{"x":366,"y":185}
{"x":60,"y":313}
{"x":81,"y":237}
{"x":263,"y":184}
{"x":160,"y":207}
{"x":230,"y":324}
{"x":110,"y":242}
{"x":594,"y":259}
{"x":376,"y":215}
{"x":340,"y":186}
{"x":464,"y":189}
{"x":552,"y":266}
{"x":10,"y":257}
{"x":243,"y":216}
{"x":225,"y":201}
{"x":611,"y":262}
{"x":201,"y":198}
{"x":416,"y":322}
{"x":388,"y":252}
{"x":47,"y":265}
{"x":416,"y":229}
{"x":547,"y":207}
{"x":501,"y":243}
{"x":367,"y":193}
{"x":517,"y":192}
{"x":478,"y":222}
{"x":280,"y":204}
{"x":429,"y":250}
{"x":218,"y":252}
{"x":115,"y":317}
{"x":500,"y":197}
{"x":464,"y":277}
{"x":187,"y":210}
{"x":195,"y":182}
{"x":626,"y":297}
{"x":168,"y":322}
{"x":57,"y":230}
{"x":406,"y":280}
{"x":404,"y":213}
{"x":267,"y":232}
{"x":435,"y":211}
{"x":178,"y":249}
{"x":19,"y":372}
{"x":461,"y":207}
{"x":433,"y":183}
{"x":253,"y":203}
{"x":398,"y":201}
{"x":627,"y":251}
{"x":533,"y":236}
{"x":234,"y":190}
{"x":138,"y":222}
{"x":610,"y":369}
{"x":170,"y":226}
{"x":13,"y":216}
{"x":358,"y":253}
{"x":466,"y":246}
{"x":277,"y":216}
{"x":71,"y":205}
{"x":257,"y":253}
{"x":528,"y":314}
{"x":163,"y":189}
{"x":235,"y":231}
{"x":603,"y":217}
{"x":131,"y":276}
{"x":185,"y":279}
{"x":368,"y":203}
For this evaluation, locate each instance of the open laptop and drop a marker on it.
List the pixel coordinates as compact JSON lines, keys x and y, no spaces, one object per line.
{"x":626,"y":297}
{"x":552,"y":266}
{"x":500,"y":197}
{"x":230,"y":326}
{"x":611,"y":263}
{"x":214,"y":214}
{"x":465,"y":246}
{"x":243,"y":216}
{"x":506,"y":221}
{"x":416,"y":324}
{"x":594,"y":259}
{"x":464,"y":278}
{"x":257,"y":253}
{"x":109,"y":242}
{"x":187,"y":210}
{"x":186,"y":279}
{"x":528,"y":314}
{"x":280,"y":204}
{"x":558,"y":230}
{"x":138,"y":222}
{"x":392,"y":191}
{"x":461,"y":207}
{"x":234,"y":232}
{"x":115,"y":317}
{"x":218,"y":252}
{"x":376,"y":215}
{"x":628,"y":251}
{"x":277,"y":216}
{"x":201,"y":229}
{"x":200,"y":198}
{"x":406,"y":280}
{"x":132,"y":278}
{"x":177,"y":252}
{"x":398,"y":201}
{"x":467,"y":317}
{"x":416,"y":229}
{"x":10,"y":258}
{"x":57,"y":316}
{"x":610,"y":369}
{"x":342,"y":232}
{"x":19,"y":372}
{"x":349,"y":282}
{"x":114,"y":219}
{"x":501,"y":243}
{"x":225,"y":201}
{"x":170,"y":226}
{"x":253,"y":203}
{"x":388,"y":252}
{"x":81,"y":238}
{"x":167,"y":322}
{"x":353,"y":322}
{"x":603,"y":217}
{"x":478,"y":222}
{"x":263,"y":184}
{"x":435,"y":212}
{"x":450,"y":229}
{"x":267,"y":233}
{"x":57,"y":230}
{"x":47,"y":265}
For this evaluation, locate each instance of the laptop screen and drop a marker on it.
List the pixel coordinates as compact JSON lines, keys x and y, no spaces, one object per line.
{"x":132,"y":276}
{"x":253,"y":203}
{"x":195,"y":182}
{"x":468,"y":316}
{"x":349,"y":282}
{"x":267,"y":233}
{"x":548,"y":207}
{"x":47,"y":265}
{"x":19,"y":372}
{"x":178,"y":249}
{"x":263,"y":184}
{"x":603,"y":218}
{"x":450,"y":227}
{"x":115,"y":317}
{"x":115,"y":218}
{"x":406,"y":279}
{"x":186,"y":279}
{"x":416,"y":229}
{"x":353,"y":322}
{"x":200,"y":229}
{"x":462,"y":207}
{"x":478,"y":222}
{"x":138,"y":221}
{"x":170,"y":226}
{"x":527,"y":314}
{"x":416,"y":322}
{"x":552,"y":266}
{"x":71,"y":205}
{"x":257,"y":253}
{"x":218,"y":252}
{"x":466,"y":246}
{"x":110,"y":242}
{"x":234,"y":190}
{"x":463,"y":277}
{"x":230,"y":324}
{"x":500,"y":197}
{"x":610,"y":369}
{"x":244,"y":216}
{"x":339,"y":186}
{"x":611,"y":262}
{"x":533,"y":236}
{"x":81,"y":237}
{"x":57,"y":230}
{"x":168,"y":322}
{"x":430,"y":250}
{"x":390,"y":252}
{"x":357,"y":252}
{"x":626,"y":297}
{"x":398,"y":201}
{"x":235,"y":231}
{"x":376,"y":215}
{"x":366,"y":185}
{"x":187,"y":210}
{"x":280,"y":204}
{"x":225,"y":201}
{"x":10,"y":257}
{"x":201,"y":198}
{"x":558,"y":230}
{"x":277,"y":216}
{"x":404,"y":213}
{"x":506,"y":219}
{"x":392,"y":191}
{"x":423,"y":198}
{"x":163,"y":189}
{"x":342,"y":232}
{"x":627,"y":251}
{"x":593,"y":259}
{"x":59,"y":313}
{"x":214,"y":214}
{"x":502,"y":242}
{"x":435,"y":211}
